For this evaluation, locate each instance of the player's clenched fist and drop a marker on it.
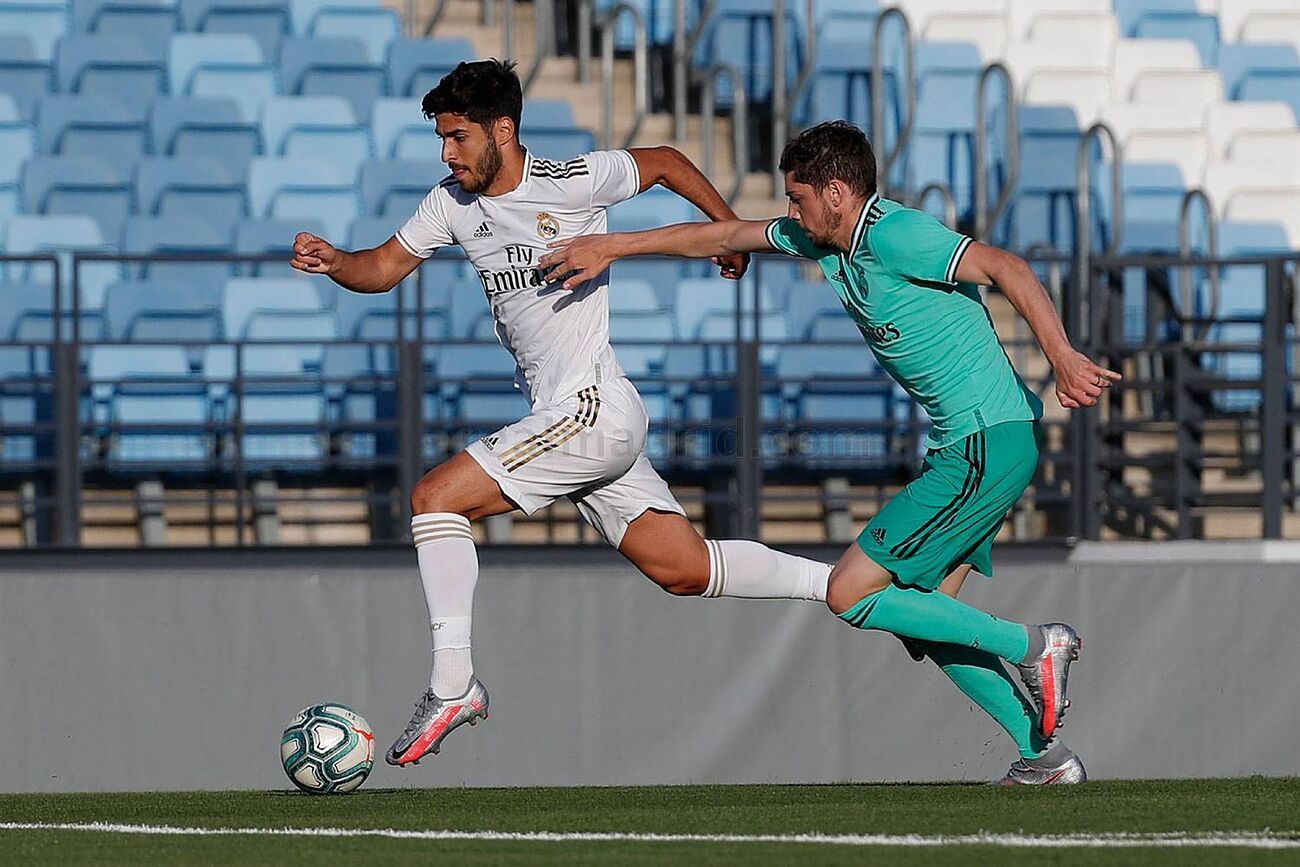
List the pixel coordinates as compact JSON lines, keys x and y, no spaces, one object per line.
{"x":314,"y":255}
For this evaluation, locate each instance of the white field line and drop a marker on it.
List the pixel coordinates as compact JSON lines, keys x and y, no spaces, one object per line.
{"x":1176,"y":840}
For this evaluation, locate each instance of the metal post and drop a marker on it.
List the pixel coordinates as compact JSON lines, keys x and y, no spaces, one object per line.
{"x":986,"y":218}
{"x":241,"y":470}
{"x":67,"y":394}
{"x":508,"y":31}
{"x":410,"y":421}
{"x":1274,"y":406}
{"x":584,"y":40}
{"x":886,"y":157}
{"x":1083,"y":212}
{"x":749,"y":459}
{"x":739,"y":123}
{"x":780,"y":107}
{"x":1188,"y":330}
{"x":640,"y":72}
{"x":679,"y":71}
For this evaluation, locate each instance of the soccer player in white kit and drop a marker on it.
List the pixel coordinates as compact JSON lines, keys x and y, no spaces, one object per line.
{"x":585,"y":436}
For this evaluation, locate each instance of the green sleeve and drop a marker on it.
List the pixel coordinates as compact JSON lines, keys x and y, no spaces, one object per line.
{"x":917,"y":246}
{"x":787,"y":236}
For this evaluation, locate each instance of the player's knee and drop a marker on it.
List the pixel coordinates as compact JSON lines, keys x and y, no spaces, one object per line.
{"x":678,"y":581}
{"x":428,"y":496}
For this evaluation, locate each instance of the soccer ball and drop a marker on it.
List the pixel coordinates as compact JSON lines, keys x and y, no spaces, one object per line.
{"x":328,"y":749}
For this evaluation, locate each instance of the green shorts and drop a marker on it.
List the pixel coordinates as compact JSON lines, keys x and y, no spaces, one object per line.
{"x":951,"y":513}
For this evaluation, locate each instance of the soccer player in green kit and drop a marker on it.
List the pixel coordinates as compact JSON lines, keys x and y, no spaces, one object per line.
{"x":912,"y":287}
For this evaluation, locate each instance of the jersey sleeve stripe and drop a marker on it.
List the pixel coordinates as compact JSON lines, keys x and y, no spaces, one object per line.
{"x":950,"y":275}
{"x":770,"y":232}
{"x":407,"y":244}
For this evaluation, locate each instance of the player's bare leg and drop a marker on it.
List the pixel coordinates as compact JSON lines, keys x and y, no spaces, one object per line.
{"x":667,"y":549}
{"x":443,"y":504}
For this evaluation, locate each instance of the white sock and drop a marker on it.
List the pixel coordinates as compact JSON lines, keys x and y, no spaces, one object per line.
{"x":444,"y":547}
{"x":749,"y":570}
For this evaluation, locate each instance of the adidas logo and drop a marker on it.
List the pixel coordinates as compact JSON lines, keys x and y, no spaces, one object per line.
{"x":878,"y":533}
{"x":490,"y":442}
{"x":483,"y":231}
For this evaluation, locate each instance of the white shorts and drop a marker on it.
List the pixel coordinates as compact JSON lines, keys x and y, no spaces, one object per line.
{"x":588,"y":447}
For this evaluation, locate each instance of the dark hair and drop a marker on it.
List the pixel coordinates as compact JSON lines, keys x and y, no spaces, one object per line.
{"x":483,"y":91}
{"x":836,"y":149}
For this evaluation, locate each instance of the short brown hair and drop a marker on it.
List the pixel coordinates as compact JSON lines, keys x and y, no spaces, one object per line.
{"x":836,"y":149}
{"x":481,"y":90}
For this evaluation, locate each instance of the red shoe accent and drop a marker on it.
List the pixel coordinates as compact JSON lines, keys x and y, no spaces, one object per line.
{"x":1049,"y":698}
{"x":1054,"y":777}
{"x":424,"y":741}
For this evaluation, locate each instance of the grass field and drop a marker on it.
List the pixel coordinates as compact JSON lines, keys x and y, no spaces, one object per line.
{"x":1166,"y":822}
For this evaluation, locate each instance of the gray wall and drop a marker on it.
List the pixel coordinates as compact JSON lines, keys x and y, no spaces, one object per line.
{"x":179,"y":674}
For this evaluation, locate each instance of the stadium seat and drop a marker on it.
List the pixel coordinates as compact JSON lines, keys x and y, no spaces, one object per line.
{"x":1166,"y":133}
{"x":17,"y":143}
{"x":476,"y":383}
{"x":835,"y":393}
{"x":147,"y":310}
{"x":293,"y":187}
{"x":1042,"y":211}
{"x":243,"y":297}
{"x":375,"y":25}
{"x":102,"y":127}
{"x":300,"y":334}
{"x":152,"y":22}
{"x":211,"y":128}
{"x":198,"y":187}
{"x":1198,"y":28}
{"x":943,"y":146}
{"x":740,"y":32}
{"x":1164,"y":71}
{"x":633,"y":296}
{"x":833,"y":328}
{"x":640,"y":340}
{"x":178,"y":235}
{"x":554,"y":143}
{"x":119,"y":66}
{"x":1260,"y":72}
{"x":1062,"y":73}
{"x":395,"y":188}
{"x":61,"y":234}
{"x":841,"y":84}
{"x":229,"y":65}
{"x":401,"y":132}
{"x":1097,"y":29}
{"x":283,"y":412}
{"x":77,"y":185}
{"x":1227,"y":121}
{"x":416,"y":65}
{"x":42,"y":22}
{"x":316,"y":127}
{"x":23,"y":76}
{"x":381,"y":324}
{"x":337,"y":66}
{"x":267,"y":21}
{"x":255,"y":237}
{"x":153,"y":386}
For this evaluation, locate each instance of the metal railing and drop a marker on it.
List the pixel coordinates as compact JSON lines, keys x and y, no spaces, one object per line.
{"x":684,"y":45}
{"x":739,"y":124}
{"x":945,"y":194}
{"x":986,"y":217}
{"x":886,"y":157}
{"x":640,"y":73}
{"x":1083,"y":206}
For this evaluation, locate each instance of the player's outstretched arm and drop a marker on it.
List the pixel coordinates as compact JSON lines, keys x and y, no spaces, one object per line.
{"x":1079,"y":381}
{"x":577,"y":259}
{"x":375,"y":270}
{"x":669,"y":168}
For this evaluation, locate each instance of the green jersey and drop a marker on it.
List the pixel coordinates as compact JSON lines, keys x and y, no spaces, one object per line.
{"x":929,"y":332}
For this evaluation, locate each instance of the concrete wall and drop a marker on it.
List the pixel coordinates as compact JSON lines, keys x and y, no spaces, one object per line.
{"x":178,"y":673}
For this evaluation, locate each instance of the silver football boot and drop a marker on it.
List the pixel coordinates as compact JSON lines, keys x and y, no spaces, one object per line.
{"x":434,"y":719}
{"x":1060,"y":767}
{"x":1046,"y":676}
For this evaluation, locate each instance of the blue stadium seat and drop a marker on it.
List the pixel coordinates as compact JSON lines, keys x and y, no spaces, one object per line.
{"x":22,"y":75}
{"x":634,"y":296}
{"x":43,"y":22}
{"x":849,"y":20}
{"x":123,"y":67}
{"x":806,"y":300}
{"x":557,"y":144}
{"x":650,"y":210}
{"x":641,"y":340}
{"x":333,"y":67}
{"x":77,"y":185}
{"x":740,"y":32}
{"x":416,"y":65}
{"x":367,"y":232}
{"x":833,"y":328}
{"x":197,"y":187}
{"x":179,"y":235}
{"x":211,"y":128}
{"x":103,"y":127}
{"x":1200,"y":28}
{"x":831,"y":394}
{"x":354,"y":307}
{"x":376,"y":26}
{"x":696,"y":298}
{"x":282,"y":413}
{"x":229,"y":65}
{"x":476,"y":381}
{"x":313,"y":328}
{"x":267,"y":21}
{"x":944,"y":145}
{"x":293,"y":187}
{"x":1042,"y":211}
{"x":147,"y":310}
{"x":17,"y":143}
{"x":401,"y":132}
{"x":316,"y":127}
{"x":243,"y":297}
{"x":395,"y":188}
{"x":381,"y":324}
{"x":20,"y":301}
{"x":153,"y":386}
{"x":153,"y":22}
{"x":61,"y":234}
{"x":841,"y":86}
{"x":1153,"y":195}
{"x":262,"y":236}
{"x":1262,"y":72}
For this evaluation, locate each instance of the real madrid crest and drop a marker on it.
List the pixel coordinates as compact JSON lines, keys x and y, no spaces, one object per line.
{"x":548,"y":228}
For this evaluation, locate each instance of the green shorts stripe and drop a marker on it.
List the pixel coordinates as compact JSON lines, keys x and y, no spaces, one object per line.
{"x":951,"y":513}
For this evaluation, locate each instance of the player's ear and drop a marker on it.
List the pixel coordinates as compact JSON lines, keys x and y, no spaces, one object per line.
{"x":503,"y":131}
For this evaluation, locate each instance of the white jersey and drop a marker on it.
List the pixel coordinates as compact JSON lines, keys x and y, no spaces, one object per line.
{"x":559,"y":339}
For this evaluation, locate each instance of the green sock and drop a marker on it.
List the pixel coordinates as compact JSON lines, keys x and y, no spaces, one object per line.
{"x":985,"y":680}
{"x":932,"y":616}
